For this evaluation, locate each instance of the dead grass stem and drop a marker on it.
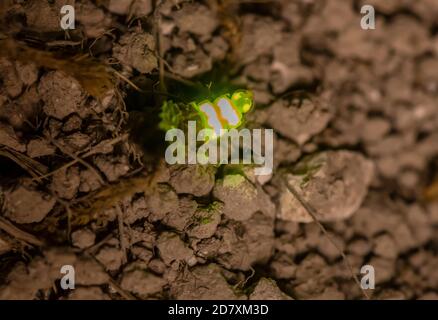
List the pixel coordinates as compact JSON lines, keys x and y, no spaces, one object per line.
{"x":313,"y":213}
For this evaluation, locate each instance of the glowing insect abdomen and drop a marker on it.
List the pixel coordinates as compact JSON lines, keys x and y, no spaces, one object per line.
{"x":225,"y":112}
{"x":229,"y":112}
{"x":211,"y":115}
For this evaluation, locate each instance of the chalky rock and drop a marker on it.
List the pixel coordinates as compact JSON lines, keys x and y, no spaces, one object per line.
{"x":267,"y":289}
{"x":136,"y":50}
{"x":299,"y":121}
{"x":161,"y":200}
{"x":204,"y":17}
{"x":246,"y":243}
{"x":141,"y":282}
{"x":334,"y":183}
{"x":62,"y":95}
{"x":241,"y":198}
{"x":172,"y":248}
{"x":238,"y":195}
{"x":205,"y":221}
{"x":26,"y":205}
{"x":197,"y":180}
{"x":83,"y":238}
{"x":202,"y":283}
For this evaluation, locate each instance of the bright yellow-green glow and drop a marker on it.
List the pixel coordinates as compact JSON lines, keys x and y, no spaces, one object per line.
{"x":225,"y":112}
{"x":246,"y":107}
{"x":243,"y":99}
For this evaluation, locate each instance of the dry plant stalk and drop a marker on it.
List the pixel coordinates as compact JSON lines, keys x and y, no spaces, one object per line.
{"x":312,"y":212}
{"x":19,"y":234}
{"x":33,"y":167}
{"x":107,"y":197}
{"x":94,"y":77}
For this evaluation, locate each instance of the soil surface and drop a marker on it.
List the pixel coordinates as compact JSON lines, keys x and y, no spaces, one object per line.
{"x":83,"y":180}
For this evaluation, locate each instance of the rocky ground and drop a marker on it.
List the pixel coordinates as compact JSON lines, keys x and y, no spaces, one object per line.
{"x":83,"y":177}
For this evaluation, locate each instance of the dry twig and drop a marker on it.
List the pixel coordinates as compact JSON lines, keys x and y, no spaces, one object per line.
{"x":19,"y":234}
{"x":312,"y":212}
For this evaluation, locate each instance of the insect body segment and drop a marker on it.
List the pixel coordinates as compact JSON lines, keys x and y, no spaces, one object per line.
{"x":211,"y":117}
{"x":229,"y":112}
{"x":225,"y":112}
